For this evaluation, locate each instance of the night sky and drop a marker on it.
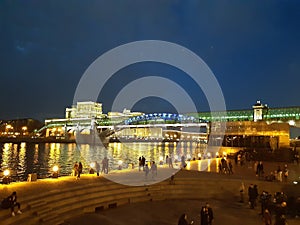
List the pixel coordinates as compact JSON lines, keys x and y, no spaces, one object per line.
{"x":252,"y":47}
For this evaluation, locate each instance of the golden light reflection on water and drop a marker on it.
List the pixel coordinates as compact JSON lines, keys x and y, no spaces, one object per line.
{"x":22,"y":155}
{"x":40,"y":158}
{"x":5,"y":156}
{"x":36,"y":156}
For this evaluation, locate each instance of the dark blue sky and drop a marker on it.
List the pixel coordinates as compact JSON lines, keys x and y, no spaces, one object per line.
{"x":252,"y":47}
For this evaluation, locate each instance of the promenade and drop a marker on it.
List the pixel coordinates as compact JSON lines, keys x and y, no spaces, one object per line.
{"x":50,"y":199}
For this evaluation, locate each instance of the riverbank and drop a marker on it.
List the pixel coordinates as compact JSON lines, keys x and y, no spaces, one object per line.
{"x":50,"y":197}
{"x":17,"y":140}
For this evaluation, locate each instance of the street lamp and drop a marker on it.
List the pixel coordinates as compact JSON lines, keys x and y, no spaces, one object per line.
{"x":161,"y":162}
{"x":120,"y":162}
{"x":8,"y":128}
{"x":6,"y":178}
{"x":55,"y":171}
{"x":24,"y":130}
{"x":92,"y":166}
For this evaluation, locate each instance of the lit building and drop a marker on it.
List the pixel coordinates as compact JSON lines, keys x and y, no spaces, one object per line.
{"x":85,"y":110}
{"x":259,"y":110}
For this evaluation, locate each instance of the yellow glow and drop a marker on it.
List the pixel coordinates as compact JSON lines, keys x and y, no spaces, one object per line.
{"x":188,"y":156}
{"x":6,"y":172}
{"x":55,"y":168}
{"x":120,"y":162}
{"x":208,"y":165}
{"x":188,"y":166}
{"x":199,"y":165}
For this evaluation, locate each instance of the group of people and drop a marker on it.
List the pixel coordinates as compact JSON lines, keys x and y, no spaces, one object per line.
{"x":104,"y":165}
{"x":225,"y":167}
{"x":206,"y":216}
{"x":142,"y":162}
{"x":143,"y":165}
{"x":169,"y":161}
{"x":11,"y":202}
{"x":278,"y":206}
{"x":277,"y":175}
{"x":269,"y":205}
{"x":252,"y":194}
{"x":77,"y":169}
{"x":152,"y":170}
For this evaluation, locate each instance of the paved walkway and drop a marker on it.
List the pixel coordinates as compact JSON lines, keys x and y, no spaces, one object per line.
{"x":227,"y":211}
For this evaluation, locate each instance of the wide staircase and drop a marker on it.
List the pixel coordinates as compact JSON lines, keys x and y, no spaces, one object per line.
{"x":54,"y":206}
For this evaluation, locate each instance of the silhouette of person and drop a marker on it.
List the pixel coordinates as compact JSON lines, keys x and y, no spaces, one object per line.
{"x":183,"y":220}
{"x":79,"y":169}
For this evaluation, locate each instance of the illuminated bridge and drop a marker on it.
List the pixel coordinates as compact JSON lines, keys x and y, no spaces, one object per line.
{"x":156,"y":125}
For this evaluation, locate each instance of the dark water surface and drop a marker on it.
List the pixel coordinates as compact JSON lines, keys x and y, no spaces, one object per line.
{"x":25,"y":158}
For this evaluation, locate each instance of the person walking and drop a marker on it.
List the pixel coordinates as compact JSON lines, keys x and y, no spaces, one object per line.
{"x":251,"y":195}
{"x":242,"y":192}
{"x":140,"y":163}
{"x":260,"y":169}
{"x":255,"y":194}
{"x":170,"y":161}
{"x":267,"y":218}
{"x":146,"y":169}
{"x":183,"y":164}
{"x":153,"y":169}
{"x":75,"y":169}
{"x":285,"y":173}
{"x":79,"y":169}
{"x":97,"y":166}
{"x":106,"y":164}
{"x":279,"y":174}
{"x":206,"y":215}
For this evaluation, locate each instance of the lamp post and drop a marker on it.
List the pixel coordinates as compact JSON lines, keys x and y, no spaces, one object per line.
{"x":24,"y":130}
{"x":92,"y":166}
{"x":120,"y":162}
{"x":6,"y":178}
{"x":55,"y":171}
{"x":8,"y":129}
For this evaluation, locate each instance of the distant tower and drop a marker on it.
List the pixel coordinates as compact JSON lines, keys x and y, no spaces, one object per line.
{"x":259,"y":111}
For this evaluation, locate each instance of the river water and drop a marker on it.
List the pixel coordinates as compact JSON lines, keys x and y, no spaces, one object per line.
{"x":25,"y":158}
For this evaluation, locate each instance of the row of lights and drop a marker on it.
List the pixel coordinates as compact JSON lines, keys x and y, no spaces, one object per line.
{"x":6,"y":175}
{"x":9,"y":129}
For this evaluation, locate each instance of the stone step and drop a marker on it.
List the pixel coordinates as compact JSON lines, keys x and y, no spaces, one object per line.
{"x":68,"y":197}
{"x":27,"y":220}
{"x":42,"y":211}
{"x":18,"y":219}
{"x":36,"y":204}
{"x":88,"y":205}
{"x":53,"y":221}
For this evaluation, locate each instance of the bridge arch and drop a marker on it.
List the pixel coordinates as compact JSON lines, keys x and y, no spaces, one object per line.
{"x":161,"y":118}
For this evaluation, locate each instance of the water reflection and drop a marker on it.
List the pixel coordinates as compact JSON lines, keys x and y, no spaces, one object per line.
{"x":25,"y":158}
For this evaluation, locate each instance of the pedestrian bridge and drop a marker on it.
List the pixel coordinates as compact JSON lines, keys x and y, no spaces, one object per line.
{"x":133,"y":126}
